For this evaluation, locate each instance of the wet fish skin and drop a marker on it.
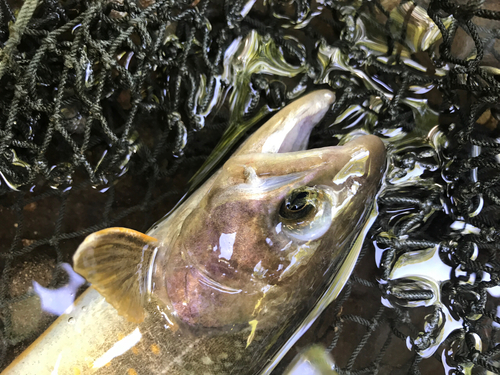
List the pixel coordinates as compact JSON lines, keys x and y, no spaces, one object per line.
{"x":235,"y":207}
{"x":241,"y":205}
{"x":181,"y":307}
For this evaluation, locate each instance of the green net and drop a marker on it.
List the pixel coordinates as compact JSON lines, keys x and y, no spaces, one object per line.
{"x":107,"y":109}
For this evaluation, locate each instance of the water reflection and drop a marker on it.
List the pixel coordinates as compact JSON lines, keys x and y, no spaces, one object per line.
{"x":415,"y":272}
{"x":60,"y":300}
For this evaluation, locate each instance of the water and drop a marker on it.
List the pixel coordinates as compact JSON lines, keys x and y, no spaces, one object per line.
{"x":418,"y":157}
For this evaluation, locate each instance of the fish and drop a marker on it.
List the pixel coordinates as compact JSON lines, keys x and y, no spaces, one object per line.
{"x":220,"y":285}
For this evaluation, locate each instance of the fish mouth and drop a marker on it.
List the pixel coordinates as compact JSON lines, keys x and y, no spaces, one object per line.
{"x":366,"y":162}
{"x":290,"y":128}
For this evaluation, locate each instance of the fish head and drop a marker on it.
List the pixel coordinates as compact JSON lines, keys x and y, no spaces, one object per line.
{"x":269,"y":231}
{"x":256,"y":243}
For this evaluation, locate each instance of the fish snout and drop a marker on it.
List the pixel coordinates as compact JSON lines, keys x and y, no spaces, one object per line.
{"x":373,"y":145}
{"x":361,"y":159}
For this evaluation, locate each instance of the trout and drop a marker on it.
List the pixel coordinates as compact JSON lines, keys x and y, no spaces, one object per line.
{"x":221,"y":285}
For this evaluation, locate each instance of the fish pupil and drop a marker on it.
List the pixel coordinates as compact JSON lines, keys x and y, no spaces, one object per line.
{"x":299,"y":202}
{"x":297,"y":206}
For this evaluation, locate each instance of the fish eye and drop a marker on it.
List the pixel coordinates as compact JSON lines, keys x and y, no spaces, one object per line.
{"x":306,"y":213}
{"x":297,"y":205}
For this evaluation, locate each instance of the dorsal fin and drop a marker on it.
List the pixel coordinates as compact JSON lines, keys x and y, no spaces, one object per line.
{"x":116,"y":261}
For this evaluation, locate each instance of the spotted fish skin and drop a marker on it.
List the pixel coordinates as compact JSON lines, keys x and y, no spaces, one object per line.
{"x":219,"y":285}
{"x":80,"y":340}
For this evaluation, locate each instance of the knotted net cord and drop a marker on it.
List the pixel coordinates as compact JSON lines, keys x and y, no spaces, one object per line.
{"x":100,"y":120}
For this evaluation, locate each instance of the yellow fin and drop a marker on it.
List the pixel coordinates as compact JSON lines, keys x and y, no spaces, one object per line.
{"x":116,"y":261}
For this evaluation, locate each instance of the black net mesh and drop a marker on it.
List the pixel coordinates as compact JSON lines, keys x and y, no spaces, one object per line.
{"x":107,"y":109}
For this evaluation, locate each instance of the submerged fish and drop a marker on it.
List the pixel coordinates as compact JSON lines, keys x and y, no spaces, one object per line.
{"x":222,"y":283}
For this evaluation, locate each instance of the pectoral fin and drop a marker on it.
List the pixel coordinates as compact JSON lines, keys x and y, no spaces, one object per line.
{"x":116,"y":261}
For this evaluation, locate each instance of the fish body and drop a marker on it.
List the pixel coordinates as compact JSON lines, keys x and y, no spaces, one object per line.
{"x":220,"y":285}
